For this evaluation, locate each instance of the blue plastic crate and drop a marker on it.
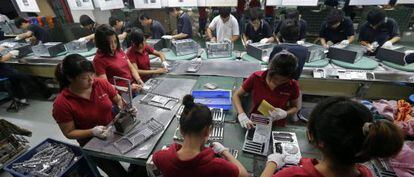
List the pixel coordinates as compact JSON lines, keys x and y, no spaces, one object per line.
{"x":213,"y":98}
{"x":77,"y":168}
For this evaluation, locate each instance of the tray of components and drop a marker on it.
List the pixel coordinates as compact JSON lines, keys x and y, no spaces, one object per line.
{"x":184,"y":47}
{"x":157,"y":44}
{"x":79,"y":47}
{"x":151,"y":84}
{"x":213,"y":98}
{"x":49,"y":49}
{"x":257,"y":139}
{"x":398,"y":55}
{"x":349,"y":54}
{"x":219,"y":49}
{"x":23,"y":48}
{"x":286,"y":143}
{"x":161,"y":101}
{"x":381,"y":168}
{"x":260,"y":51}
{"x":216,"y":134}
{"x":138,"y":136}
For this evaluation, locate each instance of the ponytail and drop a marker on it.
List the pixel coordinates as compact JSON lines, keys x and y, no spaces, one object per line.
{"x":71,"y":66}
{"x":195,"y":116}
{"x":61,"y":78}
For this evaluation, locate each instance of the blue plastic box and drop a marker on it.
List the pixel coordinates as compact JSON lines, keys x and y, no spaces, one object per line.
{"x":213,"y":98}
{"x":77,"y":168}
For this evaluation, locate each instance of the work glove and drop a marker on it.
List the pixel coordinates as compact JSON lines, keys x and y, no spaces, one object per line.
{"x":82,"y":39}
{"x":14,"y":53}
{"x":300,"y":42}
{"x":278,"y":114}
{"x":387,"y":44}
{"x":100,"y":132}
{"x":345,"y":42}
{"x":133,"y":111}
{"x":278,"y":159}
{"x":264,"y":41}
{"x":218,"y":148}
{"x":165,"y":64}
{"x":17,"y":38}
{"x":248,"y":42}
{"x":244,"y":121}
{"x":167,"y":37}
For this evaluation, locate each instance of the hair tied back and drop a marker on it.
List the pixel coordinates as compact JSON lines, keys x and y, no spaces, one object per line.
{"x":366,"y":128}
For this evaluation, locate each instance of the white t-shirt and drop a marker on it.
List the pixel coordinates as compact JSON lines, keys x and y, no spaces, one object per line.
{"x":224,"y":30}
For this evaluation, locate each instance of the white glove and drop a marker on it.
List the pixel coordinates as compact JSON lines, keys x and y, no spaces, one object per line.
{"x":82,"y":39}
{"x":300,"y":42}
{"x":165,"y":64}
{"x":248,"y":42}
{"x":167,"y":37}
{"x":264,"y":41}
{"x":244,"y":120}
{"x":387,"y":44}
{"x":99,"y":131}
{"x":278,"y":159}
{"x":218,"y":148}
{"x":133,"y":110}
{"x":278,"y":114}
{"x":14,"y":53}
{"x":17,"y":38}
{"x":345,"y":42}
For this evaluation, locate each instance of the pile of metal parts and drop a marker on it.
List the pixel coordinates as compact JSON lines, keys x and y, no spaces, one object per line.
{"x":184,"y":47}
{"x":50,"y":160}
{"x":139,"y":136}
{"x":381,"y":168}
{"x":49,"y":49}
{"x":260,"y":51}
{"x":287,"y":144}
{"x":257,"y":139}
{"x":79,"y":47}
{"x":161,"y":101}
{"x":219,"y":49}
{"x":12,"y":142}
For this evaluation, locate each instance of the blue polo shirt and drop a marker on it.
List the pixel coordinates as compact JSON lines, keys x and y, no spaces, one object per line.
{"x":184,"y":25}
{"x":299,"y":51}
{"x":335,"y":35}
{"x":157,"y":29}
{"x":264,"y":31}
{"x":302,"y":28}
{"x":382,"y":34}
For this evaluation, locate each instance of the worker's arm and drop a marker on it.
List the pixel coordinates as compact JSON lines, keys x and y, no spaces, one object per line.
{"x":6,"y":57}
{"x":159,"y":54}
{"x":68,"y":129}
{"x":134,"y":73}
{"x":210,"y":35}
{"x":242,"y":171}
{"x":324,"y":43}
{"x":234,"y":38}
{"x":351,"y":39}
{"x":90,"y":37}
{"x":244,"y":38}
{"x":180,"y":36}
{"x":149,"y":72}
{"x":117,"y":100}
{"x":122,"y":36}
{"x":237,"y":101}
{"x":395,"y":39}
{"x":25,"y":35}
{"x":269,"y":170}
{"x":294,"y":107}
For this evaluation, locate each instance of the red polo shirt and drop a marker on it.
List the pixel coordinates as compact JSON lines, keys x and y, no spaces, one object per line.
{"x":141,"y":59}
{"x":205,"y":164}
{"x":306,"y":168}
{"x":278,"y":97}
{"x":85,"y":113}
{"x":111,"y":66}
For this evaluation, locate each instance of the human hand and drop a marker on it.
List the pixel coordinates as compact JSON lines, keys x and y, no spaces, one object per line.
{"x":300,"y":42}
{"x":278,"y":114}
{"x":14,"y":53}
{"x":244,"y":121}
{"x":278,"y":159}
{"x":167,"y":37}
{"x":345,"y":42}
{"x":82,"y":39}
{"x":165,"y":64}
{"x":99,"y":132}
{"x":218,"y":148}
{"x":136,"y":87}
{"x":161,"y":70}
{"x":264,"y":41}
{"x":213,"y":39}
{"x":17,"y":38}
{"x":387,"y":44}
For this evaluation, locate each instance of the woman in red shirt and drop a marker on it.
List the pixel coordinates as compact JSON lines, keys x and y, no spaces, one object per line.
{"x":111,"y":61}
{"x":343,"y":131}
{"x":276,"y":86}
{"x":138,"y":54}
{"x":192,"y":158}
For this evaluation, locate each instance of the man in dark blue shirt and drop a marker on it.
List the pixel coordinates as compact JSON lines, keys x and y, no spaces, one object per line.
{"x":34,"y":32}
{"x":121,"y":27}
{"x":156,"y":28}
{"x":292,"y":14}
{"x":336,"y":29}
{"x":257,"y":30}
{"x":379,"y":30}
{"x":184,"y":24}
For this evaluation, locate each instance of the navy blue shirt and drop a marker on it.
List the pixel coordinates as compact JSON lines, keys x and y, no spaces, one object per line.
{"x":302,"y":28}
{"x":157,"y":29}
{"x":264,"y":31}
{"x":382,"y":34}
{"x":184,"y":25}
{"x":40,"y":33}
{"x":335,"y":35}
{"x":299,"y":51}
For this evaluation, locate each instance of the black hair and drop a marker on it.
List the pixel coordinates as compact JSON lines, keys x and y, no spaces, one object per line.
{"x":255,"y":14}
{"x":137,"y":37}
{"x":144,"y":17}
{"x":334,"y":16}
{"x":101,"y":38}
{"x":283,"y":64}
{"x":72,"y":66}
{"x":172,"y":9}
{"x":85,"y":20}
{"x":113,"y":19}
{"x":195,"y":116}
{"x":292,"y":14}
{"x":376,"y":16}
{"x":224,"y":12}
{"x":19,"y":21}
{"x":336,"y":126}
{"x":290,"y":30}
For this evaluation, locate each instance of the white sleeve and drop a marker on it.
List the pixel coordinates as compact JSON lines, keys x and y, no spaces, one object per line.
{"x":213,"y":23}
{"x":235,"y":30}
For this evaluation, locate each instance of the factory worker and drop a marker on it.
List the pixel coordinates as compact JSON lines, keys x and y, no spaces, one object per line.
{"x":192,"y":157}
{"x":274,"y":85}
{"x":110,"y":60}
{"x":225,"y":27}
{"x":157,"y":30}
{"x":139,"y":53}
{"x":34,"y":33}
{"x":184,"y":24}
{"x":343,"y":131}
{"x":337,"y":29}
{"x":121,"y":27}
{"x":257,"y":30}
{"x":90,"y":25}
{"x":292,"y":14}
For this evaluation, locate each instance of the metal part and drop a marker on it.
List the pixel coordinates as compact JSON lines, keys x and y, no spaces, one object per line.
{"x":184,"y":47}
{"x":194,"y":66}
{"x":222,"y":49}
{"x":217,"y":133}
{"x":286,"y":143}
{"x":381,"y":168}
{"x":234,"y":153}
{"x":23,"y":48}
{"x":395,"y":55}
{"x":179,"y":111}
{"x":157,"y":44}
{"x":49,"y":49}
{"x":260,"y":51}
{"x":349,"y":54}
{"x":257,"y":139}
{"x":125,"y":121}
{"x":137,"y":137}
{"x":151,"y":84}
{"x":79,"y":47}
{"x":218,"y":115}
{"x":315,"y":52}
{"x":161,"y":101}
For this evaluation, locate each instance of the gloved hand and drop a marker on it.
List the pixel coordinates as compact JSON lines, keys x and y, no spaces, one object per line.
{"x":244,"y":121}
{"x":167,"y":37}
{"x":218,"y":148}
{"x":99,"y":131}
{"x":278,"y":159}
{"x":14,"y":53}
{"x":17,"y":38}
{"x":248,"y":42}
{"x":264,"y":41}
{"x":278,"y":114}
{"x":345,"y":42}
{"x":213,"y":39}
{"x":387,"y":44}
{"x":82,"y":39}
{"x":133,"y":110}
{"x":165,"y":64}
{"x":300,"y":42}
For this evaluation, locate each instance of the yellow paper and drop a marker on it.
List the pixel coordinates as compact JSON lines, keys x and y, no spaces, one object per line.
{"x":265,"y":108}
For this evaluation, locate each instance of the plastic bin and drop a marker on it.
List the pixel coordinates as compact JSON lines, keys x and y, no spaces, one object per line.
{"x":77,"y":168}
{"x":213,"y":98}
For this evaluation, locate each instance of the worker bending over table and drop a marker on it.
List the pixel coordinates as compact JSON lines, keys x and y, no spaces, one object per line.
{"x":157,"y":30}
{"x":184,"y":24}
{"x":225,"y":27}
{"x":121,"y":27}
{"x":34,"y":33}
{"x":291,"y":14}
{"x":257,"y":30}
{"x":337,"y":29}
{"x":87,"y":23}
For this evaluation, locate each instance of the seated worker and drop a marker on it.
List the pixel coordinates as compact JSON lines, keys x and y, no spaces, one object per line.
{"x":344,"y":132}
{"x":184,"y":24}
{"x":192,"y":158}
{"x":138,"y":54}
{"x":157,"y":30}
{"x":257,"y":30}
{"x":378,"y":30}
{"x":275,"y":85}
{"x":121,"y":27}
{"x":289,"y":33}
{"x":83,"y":107}
{"x":34,"y":33}
{"x":87,"y":23}
{"x":110,"y":60}
{"x":292,"y":14}
{"x":337,"y":29}
{"x":225,"y":26}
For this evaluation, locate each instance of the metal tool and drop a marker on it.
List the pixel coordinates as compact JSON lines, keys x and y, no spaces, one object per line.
{"x":286,"y":143}
{"x":125,"y":121}
{"x":222,"y":49}
{"x":161,"y":101}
